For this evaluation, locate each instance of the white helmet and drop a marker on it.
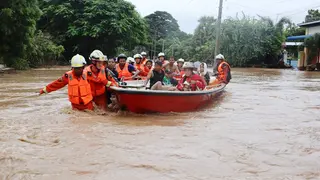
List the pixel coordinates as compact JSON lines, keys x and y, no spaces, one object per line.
{"x":143,"y":54}
{"x":78,"y":61}
{"x":130,"y":60}
{"x":188,"y":65}
{"x":219,"y":56}
{"x":97,"y":55}
{"x":161,"y":54}
{"x":180,"y":60}
{"x":137,"y":56}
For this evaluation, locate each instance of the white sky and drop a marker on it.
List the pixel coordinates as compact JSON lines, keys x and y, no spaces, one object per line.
{"x":187,"y":12}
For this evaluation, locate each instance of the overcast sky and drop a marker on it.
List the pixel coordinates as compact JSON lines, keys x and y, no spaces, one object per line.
{"x":187,"y":12}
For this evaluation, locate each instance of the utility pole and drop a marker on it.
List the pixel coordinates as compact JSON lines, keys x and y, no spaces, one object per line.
{"x":163,"y":45}
{"x":218,"y":27}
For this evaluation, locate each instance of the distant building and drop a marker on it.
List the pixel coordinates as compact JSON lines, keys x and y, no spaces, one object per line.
{"x":311,"y":29}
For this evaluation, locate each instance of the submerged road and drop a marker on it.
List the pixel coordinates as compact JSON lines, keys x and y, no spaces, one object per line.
{"x":266,"y":125}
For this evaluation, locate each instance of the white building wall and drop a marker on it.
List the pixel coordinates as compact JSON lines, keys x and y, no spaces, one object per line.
{"x":313,"y":30}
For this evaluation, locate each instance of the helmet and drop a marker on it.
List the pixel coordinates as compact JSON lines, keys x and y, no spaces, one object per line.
{"x":161,"y":54}
{"x":78,"y":61}
{"x":97,"y":55}
{"x":219,"y":56}
{"x":137,"y":56}
{"x":188,"y":65}
{"x":122,"y":56}
{"x":143,"y":54}
{"x":180,"y":60}
{"x":130,"y":60}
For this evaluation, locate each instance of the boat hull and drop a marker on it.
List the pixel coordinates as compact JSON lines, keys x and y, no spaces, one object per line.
{"x":146,"y":101}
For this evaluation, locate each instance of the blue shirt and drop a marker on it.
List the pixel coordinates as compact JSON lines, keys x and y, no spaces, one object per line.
{"x":131,"y":68}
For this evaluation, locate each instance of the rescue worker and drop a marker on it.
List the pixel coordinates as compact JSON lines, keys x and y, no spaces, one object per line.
{"x":97,"y":78}
{"x":125,"y":70}
{"x":196,"y":81}
{"x":144,"y":58}
{"x":180,"y":63}
{"x":79,"y":90}
{"x":223,"y":71}
{"x":138,"y":63}
{"x":161,"y":57}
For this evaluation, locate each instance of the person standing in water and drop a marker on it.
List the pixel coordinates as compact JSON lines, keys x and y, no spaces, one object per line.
{"x":79,"y":90}
{"x":96,"y":74}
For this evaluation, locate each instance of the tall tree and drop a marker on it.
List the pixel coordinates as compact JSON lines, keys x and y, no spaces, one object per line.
{"x":82,"y":26}
{"x":313,"y":15}
{"x":161,"y":24}
{"x":18,"y":24}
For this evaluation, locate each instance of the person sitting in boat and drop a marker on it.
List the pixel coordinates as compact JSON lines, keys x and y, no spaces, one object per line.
{"x":138,"y":64}
{"x":169,"y":79}
{"x":147,"y":68}
{"x":224,"y":71}
{"x":180,"y":63}
{"x":130,"y":60}
{"x":125,"y":71}
{"x":203,"y":72}
{"x":144,"y":58}
{"x":161,"y":57}
{"x":96,"y":75}
{"x":155,"y":76}
{"x":172,"y":67}
{"x":79,"y":89}
{"x":196,"y":81}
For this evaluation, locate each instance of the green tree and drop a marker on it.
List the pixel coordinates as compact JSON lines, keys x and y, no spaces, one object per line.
{"x":82,"y":26}
{"x":18,"y":24}
{"x":313,"y":15}
{"x":161,"y":24}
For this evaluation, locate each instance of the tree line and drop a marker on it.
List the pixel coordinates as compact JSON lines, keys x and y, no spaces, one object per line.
{"x":48,"y":32}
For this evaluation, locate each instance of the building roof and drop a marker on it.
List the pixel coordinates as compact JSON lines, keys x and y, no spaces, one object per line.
{"x":298,"y":37}
{"x":310,"y":24}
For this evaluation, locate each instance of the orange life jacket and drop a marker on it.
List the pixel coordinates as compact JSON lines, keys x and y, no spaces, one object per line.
{"x":139,"y":67}
{"x":79,"y":91}
{"x":222,"y":77}
{"x":124,"y":72}
{"x":97,"y":89}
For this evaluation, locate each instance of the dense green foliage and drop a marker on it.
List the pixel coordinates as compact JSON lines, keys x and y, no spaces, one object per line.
{"x":82,"y":26}
{"x":313,"y":45}
{"x":313,"y":15}
{"x":37,"y":32}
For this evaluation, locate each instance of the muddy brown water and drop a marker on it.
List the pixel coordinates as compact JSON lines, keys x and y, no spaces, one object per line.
{"x":266,"y":125}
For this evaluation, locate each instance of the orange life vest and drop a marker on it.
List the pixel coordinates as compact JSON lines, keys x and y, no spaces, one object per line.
{"x":79,"y":91}
{"x":97,"y":89}
{"x":139,"y":67}
{"x":123,"y":72}
{"x":222,"y":77}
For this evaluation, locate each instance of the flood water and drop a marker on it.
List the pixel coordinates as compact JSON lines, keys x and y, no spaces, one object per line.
{"x":266,"y":125}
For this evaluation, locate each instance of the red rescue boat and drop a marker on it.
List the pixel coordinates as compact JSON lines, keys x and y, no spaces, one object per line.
{"x":148,"y":101}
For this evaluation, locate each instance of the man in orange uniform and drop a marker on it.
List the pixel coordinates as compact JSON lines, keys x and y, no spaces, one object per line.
{"x":224,"y":71}
{"x":125,"y":70}
{"x":144,"y":58}
{"x":97,"y":78}
{"x":138,"y":64}
{"x":79,"y":89}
